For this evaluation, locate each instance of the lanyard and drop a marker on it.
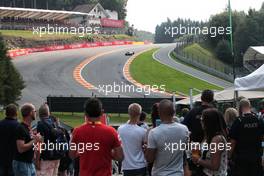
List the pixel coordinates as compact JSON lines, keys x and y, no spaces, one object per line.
{"x":94,"y":123}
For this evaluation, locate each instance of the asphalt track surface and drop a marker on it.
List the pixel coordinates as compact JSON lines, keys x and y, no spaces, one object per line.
{"x":51,"y":73}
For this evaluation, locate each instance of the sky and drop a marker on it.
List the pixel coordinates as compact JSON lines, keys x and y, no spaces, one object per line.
{"x":146,"y":14}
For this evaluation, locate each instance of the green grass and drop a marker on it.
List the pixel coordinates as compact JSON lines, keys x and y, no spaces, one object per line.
{"x":173,"y":56}
{"x":27,"y":34}
{"x":200,"y":52}
{"x":2,"y":115}
{"x":146,"y":70}
{"x":76,"y":119}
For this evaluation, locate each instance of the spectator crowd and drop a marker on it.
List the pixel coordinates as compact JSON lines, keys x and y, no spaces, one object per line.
{"x":200,"y":142}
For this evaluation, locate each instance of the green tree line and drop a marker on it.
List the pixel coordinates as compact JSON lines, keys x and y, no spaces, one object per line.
{"x":248,"y":30}
{"x":164,"y":36}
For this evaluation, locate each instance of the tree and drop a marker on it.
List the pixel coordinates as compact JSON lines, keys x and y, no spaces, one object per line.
{"x":10,"y":80}
{"x":262,"y":7}
{"x":249,"y":33}
{"x":223,"y":51}
{"x":222,"y":20}
{"x":117,"y":5}
{"x":163,"y":33}
{"x":161,"y":36}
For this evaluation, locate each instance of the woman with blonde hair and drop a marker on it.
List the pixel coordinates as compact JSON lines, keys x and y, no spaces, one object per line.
{"x":230,"y":116}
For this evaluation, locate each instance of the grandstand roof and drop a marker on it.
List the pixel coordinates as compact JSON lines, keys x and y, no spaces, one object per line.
{"x":254,"y":53}
{"x":87,"y":8}
{"x":38,"y":13}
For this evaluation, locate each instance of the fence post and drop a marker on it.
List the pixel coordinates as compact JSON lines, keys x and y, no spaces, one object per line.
{"x":72,"y":100}
{"x":118,"y":104}
{"x":144,"y":105}
{"x":174,"y":102}
{"x":191,"y":98}
{"x":49,"y":103}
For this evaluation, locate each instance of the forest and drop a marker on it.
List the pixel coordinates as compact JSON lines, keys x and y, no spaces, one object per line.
{"x":248,"y":30}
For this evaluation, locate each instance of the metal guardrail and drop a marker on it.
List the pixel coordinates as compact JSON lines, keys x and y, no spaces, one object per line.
{"x":204,"y":67}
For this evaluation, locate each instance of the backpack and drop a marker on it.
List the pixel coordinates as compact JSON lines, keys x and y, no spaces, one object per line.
{"x":54,"y":137}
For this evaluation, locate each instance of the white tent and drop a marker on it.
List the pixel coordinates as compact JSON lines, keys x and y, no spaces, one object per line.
{"x":253,"y":81}
{"x":225,"y":95}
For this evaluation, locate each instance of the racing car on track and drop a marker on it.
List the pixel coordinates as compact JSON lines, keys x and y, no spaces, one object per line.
{"x":129,"y":53}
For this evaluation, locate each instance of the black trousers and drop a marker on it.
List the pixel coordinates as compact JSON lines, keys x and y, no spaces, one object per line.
{"x":247,"y":169}
{"x":6,"y":170}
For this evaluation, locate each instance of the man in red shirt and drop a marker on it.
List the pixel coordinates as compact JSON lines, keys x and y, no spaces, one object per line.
{"x":95,"y":143}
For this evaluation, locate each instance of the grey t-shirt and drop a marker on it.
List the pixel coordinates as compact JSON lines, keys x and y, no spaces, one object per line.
{"x":167,"y":139}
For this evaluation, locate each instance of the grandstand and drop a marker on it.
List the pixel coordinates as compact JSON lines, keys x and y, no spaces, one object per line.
{"x":92,"y":15}
{"x":26,"y":19}
{"x":254,"y":58}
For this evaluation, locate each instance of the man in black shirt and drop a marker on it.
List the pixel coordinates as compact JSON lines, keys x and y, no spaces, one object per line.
{"x":193,"y":118}
{"x":25,"y":141}
{"x":246,"y":137}
{"x":7,"y":139}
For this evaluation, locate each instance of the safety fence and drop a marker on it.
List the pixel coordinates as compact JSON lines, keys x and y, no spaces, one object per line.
{"x":110,"y":104}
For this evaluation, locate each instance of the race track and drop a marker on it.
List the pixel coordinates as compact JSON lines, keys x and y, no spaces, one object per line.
{"x":163,"y":57}
{"x":51,"y":73}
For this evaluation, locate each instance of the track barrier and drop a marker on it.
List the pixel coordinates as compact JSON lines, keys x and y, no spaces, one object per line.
{"x":26,"y":51}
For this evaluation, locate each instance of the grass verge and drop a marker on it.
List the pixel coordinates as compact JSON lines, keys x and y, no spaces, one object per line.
{"x":146,"y":70}
{"x":76,"y":119}
{"x":27,"y":34}
{"x":205,"y":55}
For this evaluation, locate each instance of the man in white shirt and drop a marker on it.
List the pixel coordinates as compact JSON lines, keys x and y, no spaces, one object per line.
{"x":132,"y":137}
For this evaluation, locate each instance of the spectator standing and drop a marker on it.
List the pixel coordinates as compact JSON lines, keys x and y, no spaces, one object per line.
{"x":261,"y":109}
{"x":246,"y":137}
{"x":193,"y":118}
{"x":142,"y":120}
{"x":49,"y":159}
{"x":155,"y":115}
{"x":216,"y":159}
{"x":102,"y":141}
{"x":154,"y":119}
{"x":230,"y":116}
{"x":26,"y":141}
{"x":161,"y":139}
{"x":133,"y":137}
{"x":184,"y":113}
{"x":193,"y":122}
{"x":8,"y":141}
